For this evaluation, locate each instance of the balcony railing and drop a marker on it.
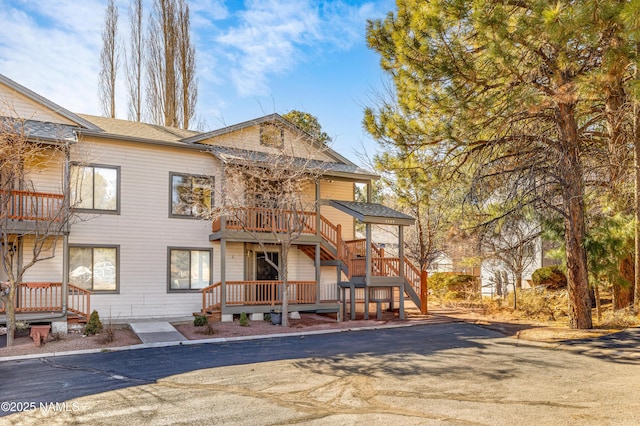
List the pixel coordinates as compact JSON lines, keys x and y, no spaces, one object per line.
{"x":26,"y":205}
{"x":258,"y":219}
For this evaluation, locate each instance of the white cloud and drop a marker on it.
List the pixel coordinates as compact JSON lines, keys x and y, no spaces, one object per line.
{"x":54,"y":54}
{"x":273,"y":36}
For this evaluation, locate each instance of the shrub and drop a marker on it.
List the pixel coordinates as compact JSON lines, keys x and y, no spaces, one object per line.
{"x":449,"y":286}
{"x":94,"y":325}
{"x":551,"y":277}
{"x":544,"y":305}
{"x":200,"y":320}
{"x":244,"y":320}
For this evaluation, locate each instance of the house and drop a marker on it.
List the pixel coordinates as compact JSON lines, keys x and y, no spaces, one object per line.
{"x":139,"y":245}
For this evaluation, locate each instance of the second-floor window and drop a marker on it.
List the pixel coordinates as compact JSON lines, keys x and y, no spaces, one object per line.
{"x":191,"y":196}
{"x":95,"y":187}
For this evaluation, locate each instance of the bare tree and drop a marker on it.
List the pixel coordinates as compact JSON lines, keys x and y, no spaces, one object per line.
{"x":510,"y":243}
{"x":187,"y":66}
{"x":161,"y":63}
{"x":171,"y":65}
{"x":267,"y":195}
{"x":109,"y":61}
{"x":22,"y":246}
{"x":135,"y":61}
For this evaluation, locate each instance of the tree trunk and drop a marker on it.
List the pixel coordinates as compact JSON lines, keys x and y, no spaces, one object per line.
{"x":284,"y":267}
{"x":636,"y":168}
{"x":10,"y":307}
{"x":596,"y":290}
{"x":574,"y":223}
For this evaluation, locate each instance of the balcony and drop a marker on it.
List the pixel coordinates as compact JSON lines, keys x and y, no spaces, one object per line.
{"x":31,"y":206}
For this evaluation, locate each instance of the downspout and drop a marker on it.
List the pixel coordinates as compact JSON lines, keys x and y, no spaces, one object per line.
{"x":67,"y":216}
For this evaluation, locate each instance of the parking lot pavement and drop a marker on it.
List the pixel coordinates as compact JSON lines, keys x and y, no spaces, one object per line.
{"x":439,"y":374}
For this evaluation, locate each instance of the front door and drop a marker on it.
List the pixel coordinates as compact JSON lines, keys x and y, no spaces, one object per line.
{"x":266,"y":272}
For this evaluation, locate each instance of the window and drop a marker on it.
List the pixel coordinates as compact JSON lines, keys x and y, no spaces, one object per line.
{"x":94,"y":268}
{"x":95,"y":188}
{"x":271,"y":135}
{"x":189,"y":269}
{"x":191,"y":196}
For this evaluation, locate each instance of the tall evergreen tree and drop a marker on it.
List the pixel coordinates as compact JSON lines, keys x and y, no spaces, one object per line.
{"x":507,"y":84}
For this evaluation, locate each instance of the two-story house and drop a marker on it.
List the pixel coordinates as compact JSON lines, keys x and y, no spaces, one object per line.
{"x":140,"y":244}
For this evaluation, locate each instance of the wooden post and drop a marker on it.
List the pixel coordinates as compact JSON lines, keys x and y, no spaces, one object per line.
{"x":423,"y":293}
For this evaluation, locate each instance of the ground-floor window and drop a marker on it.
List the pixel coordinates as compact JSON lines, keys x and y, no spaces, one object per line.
{"x":189,"y":269}
{"x":94,"y":268}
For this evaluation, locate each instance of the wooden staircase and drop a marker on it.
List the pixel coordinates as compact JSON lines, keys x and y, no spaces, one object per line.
{"x":351,"y":257}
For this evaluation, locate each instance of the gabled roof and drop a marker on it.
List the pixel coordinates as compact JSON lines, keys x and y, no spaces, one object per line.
{"x":373,"y":213}
{"x":329,"y":168}
{"x":267,"y":119}
{"x":47,"y":103}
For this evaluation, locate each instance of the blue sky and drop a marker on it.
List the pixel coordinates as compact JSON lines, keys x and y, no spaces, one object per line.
{"x":254,"y":57}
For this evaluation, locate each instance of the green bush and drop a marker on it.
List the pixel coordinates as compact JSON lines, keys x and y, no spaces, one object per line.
{"x":244,"y":320}
{"x":94,"y":325}
{"x":551,"y":277}
{"x":449,"y":286}
{"x":200,"y":320}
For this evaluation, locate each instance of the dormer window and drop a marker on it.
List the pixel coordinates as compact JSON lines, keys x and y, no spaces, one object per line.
{"x":271,"y":135}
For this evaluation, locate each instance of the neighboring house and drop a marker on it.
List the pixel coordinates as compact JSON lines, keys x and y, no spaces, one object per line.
{"x":508,"y":254}
{"x":442,"y":263}
{"x":141,"y":250}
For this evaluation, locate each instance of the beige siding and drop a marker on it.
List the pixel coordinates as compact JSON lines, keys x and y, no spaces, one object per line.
{"x":249,"y":138}
{"x":46,"y":172}
{"x":47,"y":270}
{"x":13,"y":104}
{"x":338,"y":190}
{"x":143,"y":230}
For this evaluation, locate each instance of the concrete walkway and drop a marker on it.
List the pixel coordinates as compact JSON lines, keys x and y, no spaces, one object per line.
{"x":156,"y":332}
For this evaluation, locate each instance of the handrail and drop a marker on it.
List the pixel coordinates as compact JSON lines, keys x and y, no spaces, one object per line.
{"x":79,"y":301}
{"x":211,"y":297}
{"x":28,"y":205}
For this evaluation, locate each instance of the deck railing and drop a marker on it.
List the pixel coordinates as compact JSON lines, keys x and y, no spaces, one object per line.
{"x":258,"y":219}
{"x":351,"y":253}
{"x":254,"y":293}
{"x":26,"y":205}
{"x":47,"y":297}
{"x":79,"y":301}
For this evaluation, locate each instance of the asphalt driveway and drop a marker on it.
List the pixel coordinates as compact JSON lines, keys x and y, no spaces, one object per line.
{"x":436,"y":374}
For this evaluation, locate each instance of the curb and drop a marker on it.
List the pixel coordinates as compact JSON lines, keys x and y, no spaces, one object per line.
{"x":207,"y":341}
